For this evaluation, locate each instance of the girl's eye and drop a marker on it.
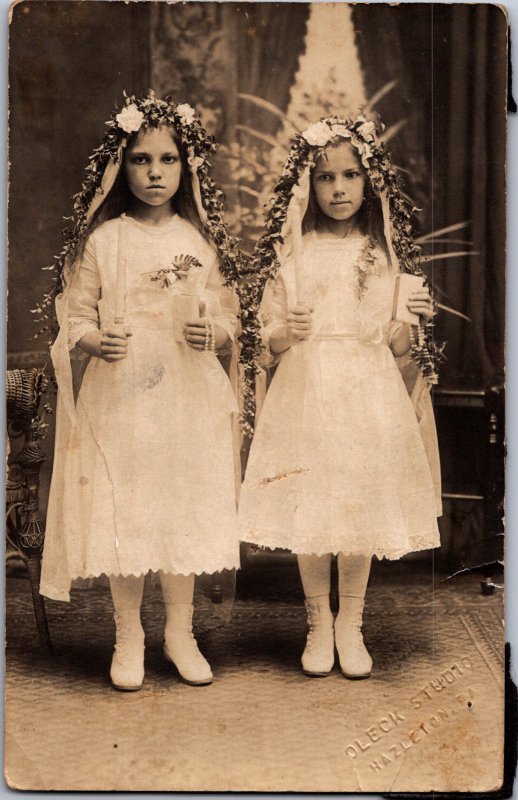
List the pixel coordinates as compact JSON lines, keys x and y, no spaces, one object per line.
{"x":170,"y":159}
{"x":352,"y":174}
{"x":323,"y":177}
{"x":138,"y":160}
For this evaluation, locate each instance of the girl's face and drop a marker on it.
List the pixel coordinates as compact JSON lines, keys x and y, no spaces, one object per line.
{"x":153,"y":166}
{"x":338,"y":182}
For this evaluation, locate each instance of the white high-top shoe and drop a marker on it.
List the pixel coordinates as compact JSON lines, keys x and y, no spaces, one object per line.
{"x":181,"y":649}
{"x":355,"y":661}
{"x":127,"y":668}
{"x":319,"y":654}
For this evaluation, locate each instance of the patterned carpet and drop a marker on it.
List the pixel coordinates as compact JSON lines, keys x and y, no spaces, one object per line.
{"x":430,"y":717}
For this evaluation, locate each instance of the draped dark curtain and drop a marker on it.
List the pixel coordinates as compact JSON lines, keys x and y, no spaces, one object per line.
{"x":469,"y":149}
{"x":270,"y":40}
{"x":450,"y":65}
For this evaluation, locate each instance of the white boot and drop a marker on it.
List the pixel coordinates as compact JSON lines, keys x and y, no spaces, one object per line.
{"x":355,"y":661}
{"x":319,"y":654}
{"x":127,"y":669}
{"x":180,"y":646}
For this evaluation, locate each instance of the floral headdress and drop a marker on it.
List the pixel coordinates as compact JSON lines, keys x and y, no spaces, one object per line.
{"x":292,"y":194}
{"x":103,"y":167}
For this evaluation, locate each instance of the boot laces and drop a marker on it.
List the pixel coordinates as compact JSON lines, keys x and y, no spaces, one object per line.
{"x":123,"y":656}
{"x":312,"y":615}
{"x":310,"y":639}
{"x":190,"y":635}
{"x":352,"y":622}
{"x":189,"y":631}
{"x":125,"y":639}
{"x":187,"y":639}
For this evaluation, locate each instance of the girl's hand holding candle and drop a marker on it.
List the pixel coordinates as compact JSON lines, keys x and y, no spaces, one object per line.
{"x":203,"y":334}
{"x":300,"y":322}
{"x":298,"y":328}
{"x":110,"y":344}
{"x":421,"y":303}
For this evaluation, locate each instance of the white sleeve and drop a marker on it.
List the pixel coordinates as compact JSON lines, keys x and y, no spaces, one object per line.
{"x":274,"y":308}
{"x":84,"y":295}
{"x":223,"y":303}
{"x":393,"y":328}
{"x":272,"y":316}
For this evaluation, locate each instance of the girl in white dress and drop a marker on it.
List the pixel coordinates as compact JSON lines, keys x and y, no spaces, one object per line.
{"x":144,"y":470}
{"x":343,"y":462}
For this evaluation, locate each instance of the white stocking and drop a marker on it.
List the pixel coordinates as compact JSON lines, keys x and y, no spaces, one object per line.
{"x":127,"y":594}
{"x":353,"y":575}
{"x":177,"y":589}
{"x":315,"y":573}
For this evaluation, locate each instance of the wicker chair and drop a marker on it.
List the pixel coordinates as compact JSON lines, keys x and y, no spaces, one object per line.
{"x":24,"y":530}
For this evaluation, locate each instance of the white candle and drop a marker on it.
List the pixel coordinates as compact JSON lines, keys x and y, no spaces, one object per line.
{"x":120,"y":277}
{"x":298,"y":253}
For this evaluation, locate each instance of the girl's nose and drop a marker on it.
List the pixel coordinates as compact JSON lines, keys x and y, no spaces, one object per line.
{"x":154,"y":170}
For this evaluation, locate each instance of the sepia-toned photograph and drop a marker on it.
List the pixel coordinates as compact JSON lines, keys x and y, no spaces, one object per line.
{"x":255,"y":397}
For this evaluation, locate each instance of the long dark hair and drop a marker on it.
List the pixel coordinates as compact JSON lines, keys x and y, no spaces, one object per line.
{"x":370,"y":215}
{"x":119,"y":197}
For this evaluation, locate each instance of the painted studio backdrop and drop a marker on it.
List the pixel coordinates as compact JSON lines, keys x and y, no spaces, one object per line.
{"x":257,"y":72}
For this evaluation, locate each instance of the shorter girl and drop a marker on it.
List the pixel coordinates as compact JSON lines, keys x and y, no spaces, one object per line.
{"x":338,"y":464}
{"x":144,"y":473}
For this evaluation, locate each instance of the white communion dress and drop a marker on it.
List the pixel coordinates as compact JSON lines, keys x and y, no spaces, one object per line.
{"x":144,"y":472}
{"x":338,"y":463}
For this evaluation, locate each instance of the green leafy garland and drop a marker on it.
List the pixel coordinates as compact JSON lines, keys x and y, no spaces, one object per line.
{"x":305,"y":151}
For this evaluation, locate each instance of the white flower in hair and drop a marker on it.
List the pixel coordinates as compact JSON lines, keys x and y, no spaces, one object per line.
{"x":367,"y":130}
{"x":341,"y":130}
{"x":186,"y":113}
{"x":318,"y":135}
{"x":130,"y":119}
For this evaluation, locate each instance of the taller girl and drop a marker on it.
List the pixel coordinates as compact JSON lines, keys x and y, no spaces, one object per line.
{"x":339,"y":463}
{"x":144,"y":473}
